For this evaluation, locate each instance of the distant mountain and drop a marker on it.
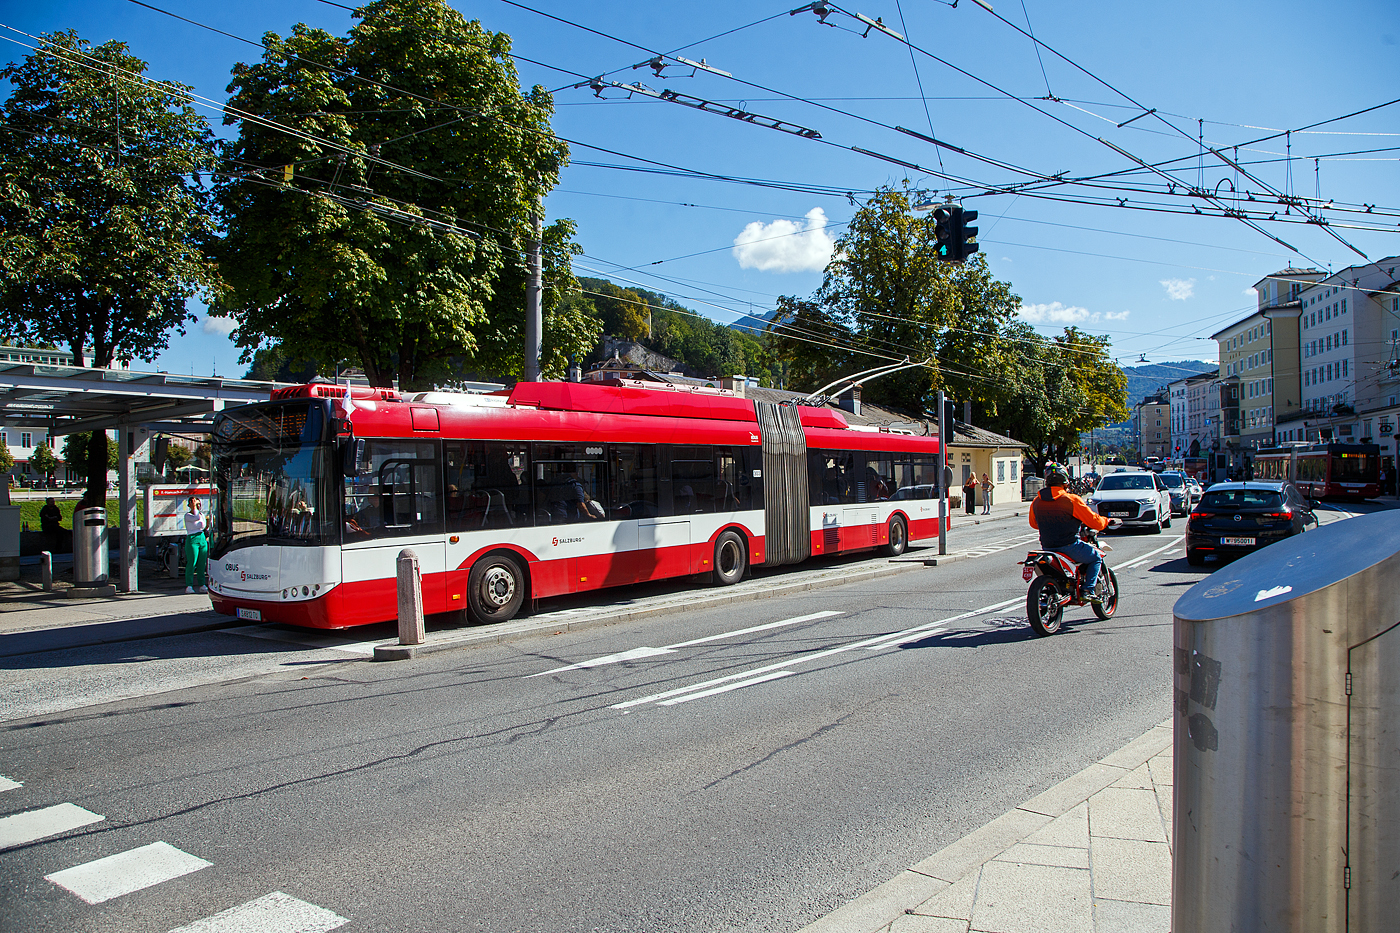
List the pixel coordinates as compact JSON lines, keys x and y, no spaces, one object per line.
{"x":1150,"y":378}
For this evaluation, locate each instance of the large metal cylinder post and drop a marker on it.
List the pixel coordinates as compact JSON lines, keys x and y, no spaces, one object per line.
{"x":1287,"y":737}
{"x":90,"y":560}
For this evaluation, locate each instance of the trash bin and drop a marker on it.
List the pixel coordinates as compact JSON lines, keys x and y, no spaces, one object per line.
{"x":90,"y":567}
{"x":1286,"y":704}
{"x":1030,"y":485}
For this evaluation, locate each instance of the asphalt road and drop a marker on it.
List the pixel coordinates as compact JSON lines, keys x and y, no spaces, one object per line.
{"x":749,"y":767}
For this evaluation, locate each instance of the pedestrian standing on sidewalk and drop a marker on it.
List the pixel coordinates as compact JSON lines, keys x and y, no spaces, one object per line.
{"x":970,"y":494}
{"x":51,"y":524}
{"x":986,"y":495}
{"x":196,"y":548}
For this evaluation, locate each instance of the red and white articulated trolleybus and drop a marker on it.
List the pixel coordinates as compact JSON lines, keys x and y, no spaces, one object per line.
{"x":547,"y":489}
{"x":1332,"y":470}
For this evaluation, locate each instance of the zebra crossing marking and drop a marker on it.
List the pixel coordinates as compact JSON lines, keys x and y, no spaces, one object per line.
{"x":272,"y":913}
{"x":120,"y":874}
{"x":19,"y":828}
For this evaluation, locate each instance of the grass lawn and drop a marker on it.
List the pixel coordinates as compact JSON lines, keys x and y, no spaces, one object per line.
{"x":29,"y":512}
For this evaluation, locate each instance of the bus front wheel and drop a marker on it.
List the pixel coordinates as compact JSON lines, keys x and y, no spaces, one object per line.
{"x":495,"y":589}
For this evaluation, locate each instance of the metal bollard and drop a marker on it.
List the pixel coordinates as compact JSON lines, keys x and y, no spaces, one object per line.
{"x":1287,"y":812}
{"x":46,"y":569}
{"x":410,"y":580}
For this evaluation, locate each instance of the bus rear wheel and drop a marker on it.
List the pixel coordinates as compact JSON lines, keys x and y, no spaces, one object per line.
{"x":731,"y":558}
{"x":495,"y":589}
{"x":898,"y":538}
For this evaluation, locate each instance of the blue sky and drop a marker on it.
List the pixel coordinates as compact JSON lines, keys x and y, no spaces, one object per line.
{"x":1158,"y":281}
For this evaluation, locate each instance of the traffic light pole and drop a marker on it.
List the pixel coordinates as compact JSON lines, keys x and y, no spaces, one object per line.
{"x":943,"y":475}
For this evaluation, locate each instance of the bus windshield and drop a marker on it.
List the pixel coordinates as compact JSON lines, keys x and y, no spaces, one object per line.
{"x":273,"y":477}
{"x":1354,"y":468}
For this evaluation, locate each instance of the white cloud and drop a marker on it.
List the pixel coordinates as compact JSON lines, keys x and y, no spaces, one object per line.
{"x":785,"y":245}
{"x":1055,"y":313}
{"x":1179,"y":289}
{"x":221,"y":326}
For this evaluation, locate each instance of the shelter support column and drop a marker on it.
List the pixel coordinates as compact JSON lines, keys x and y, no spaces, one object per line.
{"x":126,"y":506}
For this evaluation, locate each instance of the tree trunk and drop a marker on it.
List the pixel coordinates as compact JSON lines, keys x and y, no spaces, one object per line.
{"x":96,"y":494}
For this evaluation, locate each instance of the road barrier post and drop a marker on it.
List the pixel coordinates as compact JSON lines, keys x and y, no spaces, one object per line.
{"x":411,"y":630}
{"x":410,"y":591}
{"x":1287,"y":691}
{"x":46,"y":569}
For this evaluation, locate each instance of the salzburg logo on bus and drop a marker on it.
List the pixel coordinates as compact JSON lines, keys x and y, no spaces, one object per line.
{"x":559,"y":541}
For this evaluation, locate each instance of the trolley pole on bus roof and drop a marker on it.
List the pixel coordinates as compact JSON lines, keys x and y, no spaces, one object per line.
{"x":942,"y":477}
{"x":534,"y":314}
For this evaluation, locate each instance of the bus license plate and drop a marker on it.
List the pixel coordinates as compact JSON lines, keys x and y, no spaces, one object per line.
{"x":1237,"y":541}
{"x":252,"y":615}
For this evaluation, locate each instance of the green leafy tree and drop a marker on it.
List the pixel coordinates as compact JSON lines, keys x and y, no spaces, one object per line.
{"x":7,"y":461}
{"x":103,"y":224}
{"x":379,"y":208}
{"x":177,"y":455}
{"x":886,"y":294}
{"x":43,"y":460}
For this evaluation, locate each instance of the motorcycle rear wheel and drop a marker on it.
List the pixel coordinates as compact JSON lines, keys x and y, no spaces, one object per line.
{"x":1107,"y":587}
{"x":1043,"y":609}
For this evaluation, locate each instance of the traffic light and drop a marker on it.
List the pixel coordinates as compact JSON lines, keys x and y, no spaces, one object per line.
{"x":963,"y":234}
{"x":943,"y":221}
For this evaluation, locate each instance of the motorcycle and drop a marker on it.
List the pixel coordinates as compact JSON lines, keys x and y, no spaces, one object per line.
{"x":1059,"y":582}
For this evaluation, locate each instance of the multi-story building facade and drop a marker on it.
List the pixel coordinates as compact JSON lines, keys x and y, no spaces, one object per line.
{"x":1199,"y":433}
{"x":1246,"y":366}
{"x":1349,"y":335}
{"x":1176,"y":397}
{"x":1152,"y":425}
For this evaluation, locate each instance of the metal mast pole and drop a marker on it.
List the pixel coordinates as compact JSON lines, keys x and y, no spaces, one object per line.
{"x":534,"y":314}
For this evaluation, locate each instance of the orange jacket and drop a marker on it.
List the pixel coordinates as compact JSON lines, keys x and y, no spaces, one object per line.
{"x":1057,"y":515}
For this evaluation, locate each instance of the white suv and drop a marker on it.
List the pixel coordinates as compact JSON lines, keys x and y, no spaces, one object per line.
{"x":1137,"y":498}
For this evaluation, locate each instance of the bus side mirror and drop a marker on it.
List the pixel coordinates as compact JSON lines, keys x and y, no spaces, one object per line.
{"x":355,"y":464}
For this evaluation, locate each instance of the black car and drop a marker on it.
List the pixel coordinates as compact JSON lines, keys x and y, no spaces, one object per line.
{"x":1235,"y":518}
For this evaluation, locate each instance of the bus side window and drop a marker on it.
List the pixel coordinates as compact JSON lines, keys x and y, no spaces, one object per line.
{"x":727,"y":481}
{"x":569,"y":484}
{"x":399,"y":495}
{"x":692,"y":480}
{"x":632,"y":487}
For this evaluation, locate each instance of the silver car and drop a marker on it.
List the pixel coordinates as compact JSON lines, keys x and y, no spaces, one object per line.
{"x":1180,"y":488}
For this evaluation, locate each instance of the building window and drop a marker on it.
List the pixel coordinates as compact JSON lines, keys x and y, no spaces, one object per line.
{"x":1345,"y":337}
{"x":1346,"y":367}
{"x":25,"y":439}
{"x":1344,"y":306}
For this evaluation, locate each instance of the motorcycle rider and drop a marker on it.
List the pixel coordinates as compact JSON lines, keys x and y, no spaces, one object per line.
{"x":1057,"y":514}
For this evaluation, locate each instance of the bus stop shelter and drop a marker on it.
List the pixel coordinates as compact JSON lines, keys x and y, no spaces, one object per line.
{"x":68,"y":400}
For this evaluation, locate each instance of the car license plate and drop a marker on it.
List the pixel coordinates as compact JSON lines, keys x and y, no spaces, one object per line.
{"x":253,"y":615}
{"x":1236,"y":541}
{"x":1119,"y":512}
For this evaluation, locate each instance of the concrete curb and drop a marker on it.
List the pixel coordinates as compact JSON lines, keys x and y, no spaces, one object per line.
{"x":879,"y":908}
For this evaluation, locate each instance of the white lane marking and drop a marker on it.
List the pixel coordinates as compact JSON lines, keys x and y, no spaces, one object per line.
{"x":50,"y":821}
{"x":305,"y":639}
{"x":826,"y":614}
{"x":645,"y":652}
{"x":996,"y":547}
{"x":726,"y":688}
{"x":907,"y":634}
{"x":1149,"y":555}
{"x":7,"y":784}
{"x":630,"y":655}
{"x":273,"y":913}
{"x":876,"y":643}
{"x":119,"y":874}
